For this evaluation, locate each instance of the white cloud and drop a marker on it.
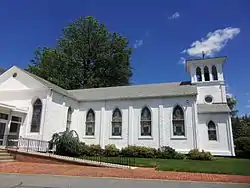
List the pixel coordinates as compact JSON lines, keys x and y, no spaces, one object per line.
{"x":138,"y":43}
{"x":182,"y":61}
{"x":247,"y":106}
{"x":213,"y":42}
{"x":174,"y":16}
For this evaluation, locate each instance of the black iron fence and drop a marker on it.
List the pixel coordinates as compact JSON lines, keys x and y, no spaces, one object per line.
{"x":33,"y":145}
{"x":128,"y":161}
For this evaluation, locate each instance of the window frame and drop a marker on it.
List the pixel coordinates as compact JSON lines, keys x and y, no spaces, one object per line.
{"x":151,"y":123}
{"x":214,"y":74}
{"x":211,"y":98}
{"x":41,"y":114}
{"x":198,"y":68}
{"x":90,"y":122}
{"x":215,"y":129}
{"x":19,"y":123}
{"x":206,"y":72}
{"x":178,"y":137}
{"x":113,"y":122}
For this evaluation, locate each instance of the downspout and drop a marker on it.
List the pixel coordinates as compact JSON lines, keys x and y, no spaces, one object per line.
{"x":45,"y":111}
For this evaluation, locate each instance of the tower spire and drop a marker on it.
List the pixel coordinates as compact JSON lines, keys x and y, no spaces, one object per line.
{"x":203,"y":54}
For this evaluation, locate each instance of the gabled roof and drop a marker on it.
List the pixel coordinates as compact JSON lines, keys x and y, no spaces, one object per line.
{"x":173,"y":89}
{"x":213,"y":108}
{"x":135,"y":91}
{"x":50,"y":85}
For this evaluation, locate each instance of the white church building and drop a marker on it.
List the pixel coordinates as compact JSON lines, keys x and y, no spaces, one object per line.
{"x":183,"y":115}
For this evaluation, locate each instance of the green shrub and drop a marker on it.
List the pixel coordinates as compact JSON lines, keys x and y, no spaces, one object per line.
{"x":94,"y":150}
{"x":195,"y":154}
{"x":111,"y":151}
{"x":138,"y":151}
{"x":179,"y":156}
{"x":166,"y":152}
{"x":243,"y":147}
{"x":66,"y":144}
{"x":84,"y":149}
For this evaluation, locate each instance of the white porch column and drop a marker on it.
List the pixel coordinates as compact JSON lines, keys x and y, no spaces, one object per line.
{"x":130,"y":126}
{"x":7,"y":128}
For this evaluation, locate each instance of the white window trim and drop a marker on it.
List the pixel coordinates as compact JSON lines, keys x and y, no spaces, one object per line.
{"x":217,"y":131}
{"x":85,"y":126}
{"x":18,"y":122}
{"x":111,"y":125}
{"x":140,"y":137}
{"x":208,"y":96}
{"x":31,"y":116}
{"x":172,"y":136}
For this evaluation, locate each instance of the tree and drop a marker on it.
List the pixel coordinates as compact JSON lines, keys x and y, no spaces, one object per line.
{"x":231,"y":102}
{"x":86,"y":56}
{"x":2,"y":70}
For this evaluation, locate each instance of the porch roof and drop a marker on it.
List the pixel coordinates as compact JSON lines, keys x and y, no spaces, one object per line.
{"x":12,"y":108}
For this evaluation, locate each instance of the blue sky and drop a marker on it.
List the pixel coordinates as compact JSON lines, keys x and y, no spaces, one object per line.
{"x":161,"y":33}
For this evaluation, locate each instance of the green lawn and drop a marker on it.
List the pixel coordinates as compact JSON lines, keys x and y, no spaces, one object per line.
{"x":218,"y":165}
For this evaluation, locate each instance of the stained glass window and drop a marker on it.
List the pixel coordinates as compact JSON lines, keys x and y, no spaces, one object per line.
{"x":212,"y":135}
{"x":146,"y":122}
{"x":36,"y":117}
{"x":117,"y":123}
{"x":90,"y":123}
{"x":178,"y":122}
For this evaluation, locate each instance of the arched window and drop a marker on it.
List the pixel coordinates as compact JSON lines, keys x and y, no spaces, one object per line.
{"x":212,"y":135}
{"x":214,"y":73}
{"x":36,"y":116}
{"x":117,"y":123}
{"x":146,"y":122}
{"x":90,"y":123}
{"x":178,"y":121}
{"x":198,"y":74}
{"x":206,"y":73}
{"x":69,"y":116}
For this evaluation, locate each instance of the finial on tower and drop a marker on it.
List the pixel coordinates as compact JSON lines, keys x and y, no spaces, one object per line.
{"x":203,"y":54}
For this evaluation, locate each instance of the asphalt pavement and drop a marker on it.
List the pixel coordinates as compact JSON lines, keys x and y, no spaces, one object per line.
{"x":49,"y":181}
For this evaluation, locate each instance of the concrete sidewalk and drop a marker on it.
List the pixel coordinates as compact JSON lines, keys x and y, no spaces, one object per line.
{"x":45,"y":181}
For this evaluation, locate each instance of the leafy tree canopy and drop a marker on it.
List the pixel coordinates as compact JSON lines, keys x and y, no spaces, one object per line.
{"x":231,"y":101}
{"x":86,"y":56}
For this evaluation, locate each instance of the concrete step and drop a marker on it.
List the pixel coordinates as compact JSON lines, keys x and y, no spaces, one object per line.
{"x":4,"y":157}
{"x":3,"y":150}
{"x":4,"y":154}
{"x":6,"y":160}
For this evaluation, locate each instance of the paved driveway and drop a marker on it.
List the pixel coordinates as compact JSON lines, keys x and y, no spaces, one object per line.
{"x":49,"y":181}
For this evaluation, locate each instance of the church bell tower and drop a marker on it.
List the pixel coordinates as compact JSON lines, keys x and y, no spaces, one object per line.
{"x":207,"y":75}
